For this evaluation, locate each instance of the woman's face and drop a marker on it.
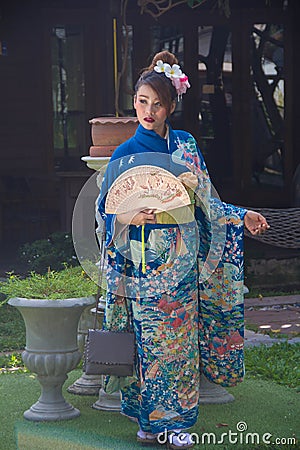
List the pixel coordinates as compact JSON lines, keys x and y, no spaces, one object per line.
{"x":150,"y":113}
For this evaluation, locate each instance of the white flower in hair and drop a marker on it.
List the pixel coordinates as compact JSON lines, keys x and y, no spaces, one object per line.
{"x":173,"y":72}
{"x":160,"y":67}
{"x":178,"y":78}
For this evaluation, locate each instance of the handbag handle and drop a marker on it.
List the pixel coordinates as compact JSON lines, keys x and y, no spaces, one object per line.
{"x":102,"y":250}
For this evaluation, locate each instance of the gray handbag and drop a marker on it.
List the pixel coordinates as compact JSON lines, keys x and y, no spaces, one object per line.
{"x":109,"y":352}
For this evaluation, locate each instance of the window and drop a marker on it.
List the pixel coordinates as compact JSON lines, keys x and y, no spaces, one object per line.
{"x":68,"y":92}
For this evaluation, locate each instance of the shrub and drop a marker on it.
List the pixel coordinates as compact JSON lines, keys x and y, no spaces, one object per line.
{"x":54,"y":252}
{"x":280,"y":362}
{"x":69,"y":283}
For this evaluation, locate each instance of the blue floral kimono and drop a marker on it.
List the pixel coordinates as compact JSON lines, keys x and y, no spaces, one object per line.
{"x":185,"y":284}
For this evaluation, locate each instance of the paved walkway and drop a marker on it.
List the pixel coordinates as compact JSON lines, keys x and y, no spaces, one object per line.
{"x":278,"y":315}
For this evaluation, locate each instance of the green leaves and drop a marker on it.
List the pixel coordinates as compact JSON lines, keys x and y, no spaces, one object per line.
{"x":279,"y":362}
{"x":12,"y":329}
{"x":12,"y":363}
{"x":68,"y":283}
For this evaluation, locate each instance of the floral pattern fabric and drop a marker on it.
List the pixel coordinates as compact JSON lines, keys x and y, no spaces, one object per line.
{"x":187,"y":307}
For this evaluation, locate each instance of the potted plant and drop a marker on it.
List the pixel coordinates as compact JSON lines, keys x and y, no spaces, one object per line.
{"x":51,"y":306}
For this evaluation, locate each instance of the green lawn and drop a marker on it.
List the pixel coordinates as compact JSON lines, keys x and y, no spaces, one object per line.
{"x":264,"y":406}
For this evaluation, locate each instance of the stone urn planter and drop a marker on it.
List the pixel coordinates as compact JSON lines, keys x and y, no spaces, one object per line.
{"x":51,"y":350}
{"x":51,"y":305}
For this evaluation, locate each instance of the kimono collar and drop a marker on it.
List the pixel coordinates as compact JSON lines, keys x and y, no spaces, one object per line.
{"x":152,"y":141}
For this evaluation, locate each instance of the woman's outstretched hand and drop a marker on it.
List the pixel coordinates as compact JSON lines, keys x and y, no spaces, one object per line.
{"x":137,"y":218}
{"x":255,"y":222}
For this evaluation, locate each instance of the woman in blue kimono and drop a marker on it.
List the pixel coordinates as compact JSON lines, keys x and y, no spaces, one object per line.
{"x":182,"y":270}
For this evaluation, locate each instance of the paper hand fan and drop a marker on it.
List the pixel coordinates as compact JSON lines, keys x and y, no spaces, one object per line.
{"x":146,"y":187}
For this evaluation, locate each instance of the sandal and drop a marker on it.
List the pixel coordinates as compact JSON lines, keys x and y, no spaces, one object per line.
{"x":180,"y":440}
{"x":146,"y":438}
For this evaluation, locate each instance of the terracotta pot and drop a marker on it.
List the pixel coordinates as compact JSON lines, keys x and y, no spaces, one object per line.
{"x":112,"y":131}
{"x":102,"y":150}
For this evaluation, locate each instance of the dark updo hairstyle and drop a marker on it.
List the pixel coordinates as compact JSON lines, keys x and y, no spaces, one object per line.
{"x":158,"y":81}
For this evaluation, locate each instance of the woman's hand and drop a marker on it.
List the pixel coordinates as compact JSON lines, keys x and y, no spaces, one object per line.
{"x":255,"y":222}
{"x":137,"y":217}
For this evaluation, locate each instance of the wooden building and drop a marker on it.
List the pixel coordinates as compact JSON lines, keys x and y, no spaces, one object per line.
{"x":57,"y":71}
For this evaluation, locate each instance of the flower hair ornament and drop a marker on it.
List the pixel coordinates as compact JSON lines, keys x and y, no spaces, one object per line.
{"x":178,"y":78}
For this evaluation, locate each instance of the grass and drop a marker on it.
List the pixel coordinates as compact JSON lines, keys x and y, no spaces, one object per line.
{"x":263,"y":405}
